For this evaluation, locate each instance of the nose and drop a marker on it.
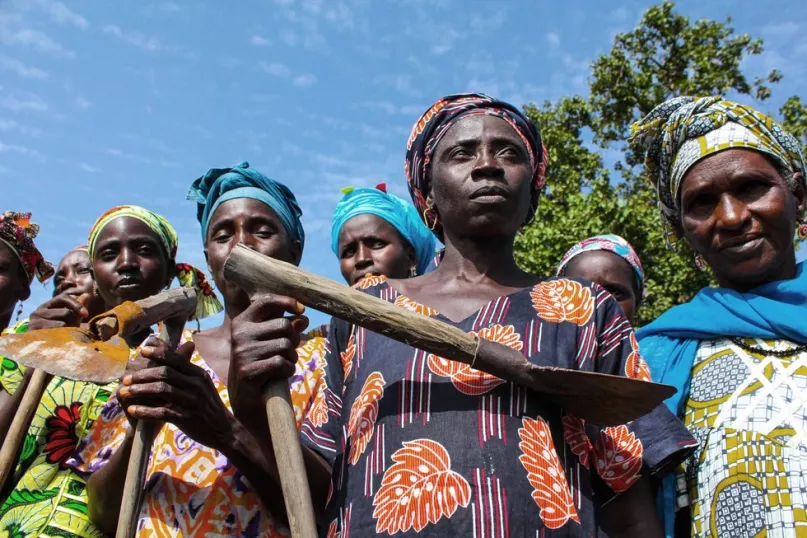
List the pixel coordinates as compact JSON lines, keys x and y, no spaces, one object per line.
{"x":732,"y":214}
{"x":68,"y":282}
{"x":487,"y":165}
{"x":127,"y":260}
{"x":363,"y":257}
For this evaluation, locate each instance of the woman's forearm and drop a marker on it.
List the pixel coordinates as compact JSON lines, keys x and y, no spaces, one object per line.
{"x":105,"y":488}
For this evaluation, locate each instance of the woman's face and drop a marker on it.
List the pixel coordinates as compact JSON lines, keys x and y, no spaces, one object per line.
{"x":481,"y":178}
{"x":74,"y":274}
{"x":369,"y":245}
{"x":257,"y":226}
{"x":612,"y":273}
{"x":740,"y":215}
{"x":13,"y":284}
{"x":130,"y":262}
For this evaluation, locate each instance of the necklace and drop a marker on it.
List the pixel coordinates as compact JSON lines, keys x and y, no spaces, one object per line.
{"x":776,"y":353}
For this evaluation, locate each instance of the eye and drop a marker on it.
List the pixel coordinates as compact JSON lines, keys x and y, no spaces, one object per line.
{"x":348,"y":252}
{"x":107,"y":255}
{"x":700,"y":205}
{"x":377,"y":244}
{"x":618,"y":293}
{"x":145,"y":250}
{"x":753,"y":187}
{"x":265,"y":232}
{"x":222,"y":236}
{"x":84,"y":270}
{"x":459,"y":153}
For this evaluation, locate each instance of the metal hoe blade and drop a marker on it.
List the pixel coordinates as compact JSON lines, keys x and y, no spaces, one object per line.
{"x":68,"y":352}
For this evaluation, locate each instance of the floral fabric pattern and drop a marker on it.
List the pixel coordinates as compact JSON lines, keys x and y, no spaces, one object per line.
{"x":427,"y":446}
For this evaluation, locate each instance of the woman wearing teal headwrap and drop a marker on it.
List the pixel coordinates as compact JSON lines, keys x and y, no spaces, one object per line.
{"x":730,"y":182}
{"x":376,"y":233}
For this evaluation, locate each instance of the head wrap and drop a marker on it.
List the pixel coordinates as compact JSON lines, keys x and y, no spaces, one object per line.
{"x":435,"y":123}
{"x":188,"y":276}
{"x":402,"y":215}
{"x":18,"y":232}
{"x":681,"y":131}
{"x":611,"y":243}
{"x":221,"y":184}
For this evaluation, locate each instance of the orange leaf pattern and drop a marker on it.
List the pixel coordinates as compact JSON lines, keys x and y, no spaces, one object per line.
{"x":318,"y":413}
{"x":419,"y":488}
{"x":619,"y":457}
{"x":469,"y":380}
{"x":363,"y":414}
{"x":563,"y":300}
{"x":369,"y":281}
{"x":348,"y":355}
{"x":574,"y":432}
{"x":545,"y":474}
{"x":635,"y":366}
{"x":405,"y":302}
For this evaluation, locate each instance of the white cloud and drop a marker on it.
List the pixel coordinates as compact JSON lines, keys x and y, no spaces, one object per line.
{"x":11,"y":125}
{"x":275,"y":69}
{"x":115,"y":152}
{"x":306,"y":80}
{"x":487,"y":22}
{"x":82,"y":103}
{"x":10,"y":64}
{"x":61,"y":13}
{"x":22,"y":150}
{"x":29,"y":101}
{"x":259,"y":41}
{"x":90,"y":169}
{"x":136,"y":39}
{"x":36,"y":40}
{"x":403,"y":83}
{"x":553,"y":39}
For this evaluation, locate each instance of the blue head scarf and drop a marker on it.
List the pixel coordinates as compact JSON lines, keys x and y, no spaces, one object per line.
{"x":403,"y":216}
{"x":221,"y":184}
{"x":774,"y":311}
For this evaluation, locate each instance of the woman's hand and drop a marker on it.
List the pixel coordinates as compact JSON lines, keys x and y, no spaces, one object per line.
{"x":264,"y":348}
{"x":62,"y":311}
{"x":168,"y":388}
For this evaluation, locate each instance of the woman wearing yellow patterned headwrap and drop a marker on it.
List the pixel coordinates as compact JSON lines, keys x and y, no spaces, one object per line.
{"x":731,"y":183}
{"x":132,"y":250}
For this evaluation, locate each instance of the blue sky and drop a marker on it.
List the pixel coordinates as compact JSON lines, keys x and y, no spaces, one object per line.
{"x":108,"y":103}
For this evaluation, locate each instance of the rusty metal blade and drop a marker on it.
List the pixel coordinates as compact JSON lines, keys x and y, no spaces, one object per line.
{"x":68,"y":352}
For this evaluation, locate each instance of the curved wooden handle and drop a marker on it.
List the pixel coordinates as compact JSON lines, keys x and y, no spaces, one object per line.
{"x":135,"y":477}
{"x":22,"y":421}
{"x":290,"y":463}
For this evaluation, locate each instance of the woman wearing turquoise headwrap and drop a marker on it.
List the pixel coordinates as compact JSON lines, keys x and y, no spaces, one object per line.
{"x":731,"y":182}
{"x":376,"y":233}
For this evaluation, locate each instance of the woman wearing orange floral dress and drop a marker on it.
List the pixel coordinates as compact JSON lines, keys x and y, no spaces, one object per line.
{"x":428,"y":447}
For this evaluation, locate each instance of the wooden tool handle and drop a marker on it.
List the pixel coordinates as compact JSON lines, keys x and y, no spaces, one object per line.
{"x":289,"y":458}
{"x":135,"y":478}
{"x":22,"y":421}
{"x":130,"y":318}
{"x":247,"y":267}
{"x":144,"y":431}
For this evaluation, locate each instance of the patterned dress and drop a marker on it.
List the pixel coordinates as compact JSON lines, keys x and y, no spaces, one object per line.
{"x":192,"y":490}
{"x":50,"y":500}
{"x":429,"y":447}
{"x":749,"y":413}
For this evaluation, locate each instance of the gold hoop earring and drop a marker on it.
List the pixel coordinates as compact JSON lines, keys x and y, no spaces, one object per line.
{"x":700,"y":263}
{"x":19,"y":312}
{"x":413,"y":272}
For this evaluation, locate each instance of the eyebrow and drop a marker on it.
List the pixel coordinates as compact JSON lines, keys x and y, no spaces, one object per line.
{"x":143,"y":238}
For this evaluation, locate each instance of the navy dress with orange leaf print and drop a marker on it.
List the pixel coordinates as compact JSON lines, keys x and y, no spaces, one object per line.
{"x":423,"y":446}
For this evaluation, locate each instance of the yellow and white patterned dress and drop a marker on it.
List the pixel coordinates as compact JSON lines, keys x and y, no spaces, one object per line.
{"x":749,"y":412}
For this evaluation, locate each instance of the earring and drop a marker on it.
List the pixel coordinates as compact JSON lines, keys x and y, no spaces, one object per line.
{"x":430,"y":217}
{"x":801,"y":231}
{"x":413,"y":272}
{"x":700,"y":263}
{"x":19,"y":312}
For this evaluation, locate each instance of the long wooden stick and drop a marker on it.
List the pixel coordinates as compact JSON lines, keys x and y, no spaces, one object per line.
{"x":601,"y":399}
{"x":141,"y":449}
{"x":21,"y":422}
{"x":286,"y":445}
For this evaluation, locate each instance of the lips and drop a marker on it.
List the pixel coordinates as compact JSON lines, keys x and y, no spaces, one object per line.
{"x":741,"y":245}
{"x":128,"y":283}
{"x":489,"y":194}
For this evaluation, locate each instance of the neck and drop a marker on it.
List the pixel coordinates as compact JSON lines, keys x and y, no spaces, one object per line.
{"x":5,"y":319}
{"x":480,"y":258}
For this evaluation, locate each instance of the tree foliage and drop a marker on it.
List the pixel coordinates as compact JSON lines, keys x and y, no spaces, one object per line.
{"x":664,"y":56}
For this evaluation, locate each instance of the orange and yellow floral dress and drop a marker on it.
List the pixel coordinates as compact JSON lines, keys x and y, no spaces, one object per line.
{"x":192,"y":490}
{"x":423,"y":446}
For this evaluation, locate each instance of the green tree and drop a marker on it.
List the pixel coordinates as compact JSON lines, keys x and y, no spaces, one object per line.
{"x":664,"y":56}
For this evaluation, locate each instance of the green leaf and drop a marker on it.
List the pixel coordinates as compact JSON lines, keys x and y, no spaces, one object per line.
{"x":29,"y":450}
{"x":19,"y":497}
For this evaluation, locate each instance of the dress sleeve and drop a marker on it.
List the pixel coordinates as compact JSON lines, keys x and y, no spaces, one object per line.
{"x":12,"y":373}
{"x":322,"y":423}
{"x":105,"y":436}
{"x":653,"y":444}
